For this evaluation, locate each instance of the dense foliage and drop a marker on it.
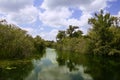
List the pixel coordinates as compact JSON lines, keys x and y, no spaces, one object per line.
{"x":49,"y":44}
{"x":16,"y":43}
{"x":102,"y":39}
{"x":105,"y":34}
{"x":71,"y":40}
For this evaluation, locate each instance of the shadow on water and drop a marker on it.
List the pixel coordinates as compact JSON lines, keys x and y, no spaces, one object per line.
{"x":15,"y":70}
{"x":98,"y":67}
{"x":103,"y":68}
{"x":58,"y":65}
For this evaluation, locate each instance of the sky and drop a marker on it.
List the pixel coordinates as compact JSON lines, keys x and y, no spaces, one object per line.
{"x":47,"y":17}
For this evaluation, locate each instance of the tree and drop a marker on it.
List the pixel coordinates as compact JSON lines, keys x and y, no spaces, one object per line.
{"x":16,"y":43}
{"x":100,"y":34}
{"x":77,"y":34}
{"x":70,"y":31}
{"x":39,"y":43}
{"x":61,"y":35}
{"x":69,"y":39}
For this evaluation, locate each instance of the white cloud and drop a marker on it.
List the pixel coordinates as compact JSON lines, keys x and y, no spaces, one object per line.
{"x":73,"y":21}
{"x":27,"y":15}
{"x":41,"y":28}
{"x":84,"y":19}
{"x":94,"y":5}
{"x":81,"y":22}
{"x":13,"y":5}
{"x":58,"y":13}
{"x":119,"y":14}
{"x":19,"y":11}
{"x":86,"y":5}
{"x":55,"y":18}
{"x":52,"y":4}
{"x":49,"y":35}
{"x":28,"y":29}
{"x":61,"y":17}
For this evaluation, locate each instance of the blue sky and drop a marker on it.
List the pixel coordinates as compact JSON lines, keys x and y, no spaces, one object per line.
{"x":46,"y":17}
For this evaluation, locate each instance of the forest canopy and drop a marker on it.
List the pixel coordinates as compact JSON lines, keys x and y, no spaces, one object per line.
{"x":102,"y":39}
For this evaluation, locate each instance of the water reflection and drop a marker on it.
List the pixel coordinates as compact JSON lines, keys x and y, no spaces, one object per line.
{"x":104,"y":68}
{"x":75,"y":63}
{"x":98,"y":68}
{"x":17,"y":69}
{"x":57,"y":65}
{"x":44,"y":63}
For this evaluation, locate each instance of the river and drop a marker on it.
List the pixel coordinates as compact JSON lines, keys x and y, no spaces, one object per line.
{"x":59,"y":65}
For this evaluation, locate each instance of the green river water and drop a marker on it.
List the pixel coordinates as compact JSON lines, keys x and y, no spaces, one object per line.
{"x":57,"y":65}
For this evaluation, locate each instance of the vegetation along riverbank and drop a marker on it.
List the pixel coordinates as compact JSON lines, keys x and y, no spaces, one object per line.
{"x":15,"y":43}
{"x":103,"y":38}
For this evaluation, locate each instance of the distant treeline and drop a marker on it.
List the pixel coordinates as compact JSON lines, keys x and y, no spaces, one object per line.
{"x":16,"y":43}
{"x":103,"y":38}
